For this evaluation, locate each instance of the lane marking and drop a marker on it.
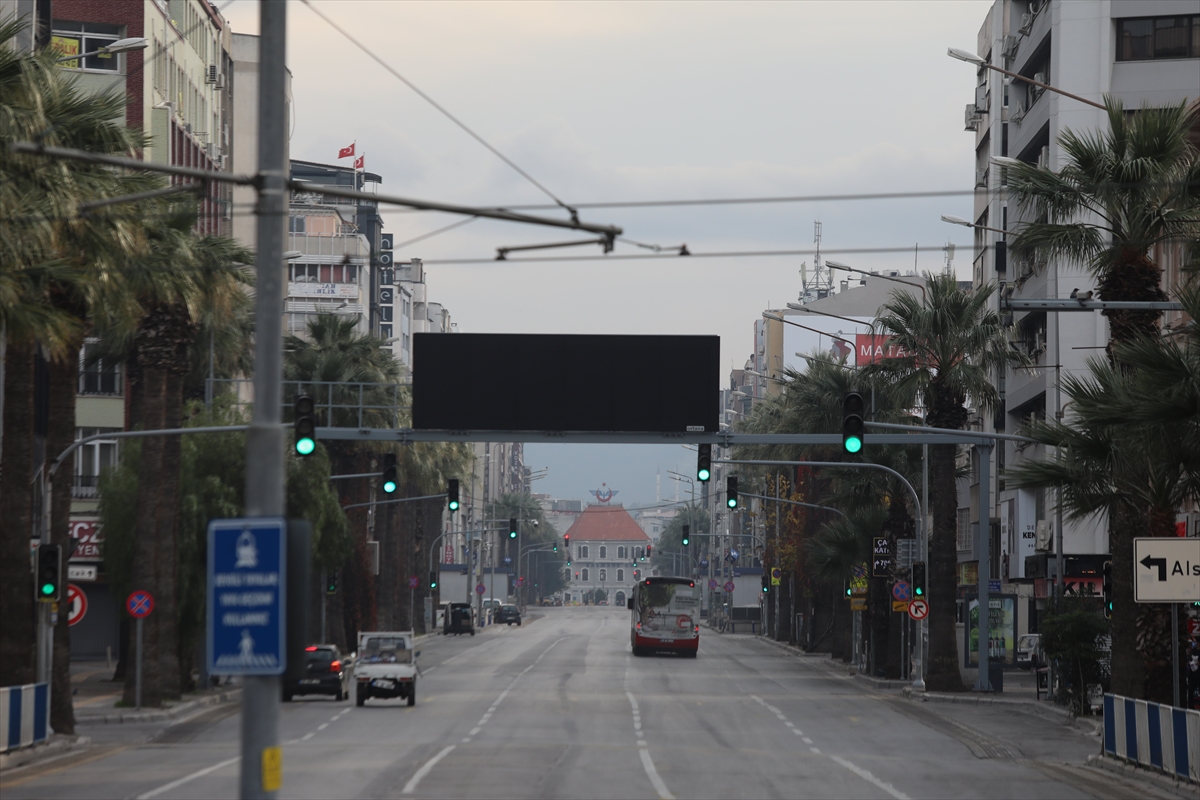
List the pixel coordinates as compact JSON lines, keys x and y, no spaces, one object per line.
{"x":323,"y":726}
{"x":307,"y":736}
{"x":815,"y":750}
{"x":425,"y":769}
{"x":868,"y":777}
{"x":166,"y":787}
{"x":807,"y":740}
{"x":652,"y":774}
{"x":475,"y":731}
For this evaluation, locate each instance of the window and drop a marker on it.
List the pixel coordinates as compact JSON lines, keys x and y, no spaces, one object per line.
{"x":603,"y":551}
{"x":964,"y":529}
{"x":603,"y":575}
{"x":98,"y":376}
{"x":1152,"y":38}
{"x":620,"y":576}
{"x":73,"y":38}
{"x":583,"y":551}
{"x":296,"y":224}
{"x":621,"y":553}
{"x":584,"y":572}
{"x":91,"y":460}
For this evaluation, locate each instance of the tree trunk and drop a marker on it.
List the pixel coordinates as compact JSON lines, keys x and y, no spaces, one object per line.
{"x":17,"y":637}
{"x":1128,"y":676}
{"x":943,"y":674}
{"x":60,"y":435}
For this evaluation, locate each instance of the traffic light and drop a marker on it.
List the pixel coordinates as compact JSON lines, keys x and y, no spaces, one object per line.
{"x":556,"y":545}
{"x":918,"y":579}
{"x":331,"y":582}
{"x":649,"y":550}
{"x":304,"y":424}
{"x":567,"y":543}
{"x":704,"y":462}
{"x":852,"y":422}
{"x":1107,"y":588}
{"x":731,"y":498}
{"x":389,"y":473}
{"x":452,"y":494}
{"x":49,"y":572}
{"x":766,"y":582}
{"x":576,"y":574}
{"x":512,"y":527}
{"x":686,"y":538}
{"x":432,"y":579}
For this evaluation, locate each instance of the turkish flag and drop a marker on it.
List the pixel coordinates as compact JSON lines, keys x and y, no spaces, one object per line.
{"x":358,"y":162}
{"x":346,"y":152}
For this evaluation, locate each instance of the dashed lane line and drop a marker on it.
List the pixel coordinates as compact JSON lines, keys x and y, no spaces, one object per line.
{"x":425,"y":769}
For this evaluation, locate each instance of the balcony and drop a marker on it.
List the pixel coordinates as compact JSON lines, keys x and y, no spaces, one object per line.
{"x":85,"y":487}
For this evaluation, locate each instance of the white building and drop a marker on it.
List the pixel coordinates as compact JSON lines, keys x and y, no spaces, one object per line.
{"x":1144,"y":52}
{"x":607,"y":548}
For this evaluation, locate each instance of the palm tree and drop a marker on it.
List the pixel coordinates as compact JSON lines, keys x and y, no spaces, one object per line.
{"x":1122,"y":192}
{"x":953,"y":343}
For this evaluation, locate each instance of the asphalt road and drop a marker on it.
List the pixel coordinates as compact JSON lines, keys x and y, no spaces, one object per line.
{"x":560,"y":708}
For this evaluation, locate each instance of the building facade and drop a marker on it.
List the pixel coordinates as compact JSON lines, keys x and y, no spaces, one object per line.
{"x":1145,"y":53}
{"x":608,"y":551}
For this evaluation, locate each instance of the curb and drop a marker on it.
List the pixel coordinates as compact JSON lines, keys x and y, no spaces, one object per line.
{"x":1179,"y":786}
{"x":159,"y":715}
{"x":58,"y":745}
{"x":970,"y":699}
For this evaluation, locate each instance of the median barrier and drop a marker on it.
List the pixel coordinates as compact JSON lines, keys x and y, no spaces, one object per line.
{"x":1156,"y":736}
{"x":24,"y":715}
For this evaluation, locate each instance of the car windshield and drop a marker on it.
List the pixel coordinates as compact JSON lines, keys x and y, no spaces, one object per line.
{"x":508,"y":608}
{"x":385,"y":650}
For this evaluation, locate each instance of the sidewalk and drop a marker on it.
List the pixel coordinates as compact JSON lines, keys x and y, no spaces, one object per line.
{"x":96,"y":695}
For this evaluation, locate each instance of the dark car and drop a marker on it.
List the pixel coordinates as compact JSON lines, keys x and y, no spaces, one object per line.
{"x":325,"y":672}
{"x":509,"y":615}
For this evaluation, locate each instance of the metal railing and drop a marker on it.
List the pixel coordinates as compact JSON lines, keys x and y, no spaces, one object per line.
{"x":337,"y":404}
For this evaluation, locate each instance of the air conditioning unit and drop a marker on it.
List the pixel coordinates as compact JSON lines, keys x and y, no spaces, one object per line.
{"x":210,"y":75}
{"x":1043,"y":159}
{"x":971,"y":118}
{"x":981,"y":177}
{"x":1026,"y":24}
{"x":1010,"y":46}
{"x":221,"y":81}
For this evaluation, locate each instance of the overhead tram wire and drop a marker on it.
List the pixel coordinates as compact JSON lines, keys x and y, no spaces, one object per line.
{"x":693,"y":254}
{"x":558,"y":203}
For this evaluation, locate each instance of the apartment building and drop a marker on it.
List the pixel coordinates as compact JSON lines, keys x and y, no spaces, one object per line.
{"x":1146,"y":53}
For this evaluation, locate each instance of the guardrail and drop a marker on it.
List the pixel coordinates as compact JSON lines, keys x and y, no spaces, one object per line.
{"x":1153,"y":735}
{"x":24,"y":715}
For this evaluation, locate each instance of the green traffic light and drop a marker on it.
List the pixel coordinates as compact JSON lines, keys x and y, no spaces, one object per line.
{"x":513,"y":535}
{"x":731,"y":502}
{"x":454,"y":505}
{"x":703,"y":474}
{"x":47,"y":588}
{"x":685,"y":542}
{"x":305,"y":446}
{"x":918,"y":591}
{"x":389,"y":486}
{"x":766,"y":589}
{"x":853,"y":444}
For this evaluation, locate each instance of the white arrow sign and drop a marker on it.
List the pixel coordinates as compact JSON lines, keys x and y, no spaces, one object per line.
{"x":1166,"y":570}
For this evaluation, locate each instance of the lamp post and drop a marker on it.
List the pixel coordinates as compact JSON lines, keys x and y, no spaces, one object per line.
{"x":837,"y":265}
{"x":971,"y":58}
{"x":777,"y":318}
{"x":953,"y":220}
{"x":119,"y":46}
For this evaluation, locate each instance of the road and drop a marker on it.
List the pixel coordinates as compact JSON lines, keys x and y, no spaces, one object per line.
{"x":559,"y":707}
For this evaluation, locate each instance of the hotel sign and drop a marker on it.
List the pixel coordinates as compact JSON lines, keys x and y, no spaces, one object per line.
{"x":338,"y":291}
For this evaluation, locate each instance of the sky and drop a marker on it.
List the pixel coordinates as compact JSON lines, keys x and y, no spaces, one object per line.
{"x":629,"y":101}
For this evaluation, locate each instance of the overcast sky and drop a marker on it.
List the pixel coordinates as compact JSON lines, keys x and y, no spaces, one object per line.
{"x":616,"y":101}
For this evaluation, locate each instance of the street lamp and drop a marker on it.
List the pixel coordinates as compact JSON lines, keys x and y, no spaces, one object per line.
{"x":799,"y":307}
{"x":971,"y":58}
{"x":837,"y":265}
{"x":953,"y":220}
{"x":119,"y":46}
{"x":772,"y":316}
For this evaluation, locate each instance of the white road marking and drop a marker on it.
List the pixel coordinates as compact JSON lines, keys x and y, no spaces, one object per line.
{"x":797,"y":731}
{"x":166,"y":787}
{"x":466,"y":739}
{"x":869,"y":778}
{"x":807,"y":740}
{"x":815,"y":750}
{"x":652,"y":774}
{"x":475,"y":731}
{"x":323,"y":726}
{"x":790,"y":725}
{"x":307,"y":736}
{"x":425,"y":769}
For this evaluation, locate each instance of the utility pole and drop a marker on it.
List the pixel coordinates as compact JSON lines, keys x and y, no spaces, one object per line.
{"x":265,"y":439}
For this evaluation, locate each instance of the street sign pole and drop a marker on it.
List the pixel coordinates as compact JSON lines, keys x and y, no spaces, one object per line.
{"x":1175,"y":654}
{"x":983,"y":546}
{"x":137,"y":678}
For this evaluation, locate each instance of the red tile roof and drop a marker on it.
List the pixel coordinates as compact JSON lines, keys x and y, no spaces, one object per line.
{"x":606,"y":523}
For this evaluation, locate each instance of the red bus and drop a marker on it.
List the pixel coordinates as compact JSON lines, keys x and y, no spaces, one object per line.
{"x":665,"y":616}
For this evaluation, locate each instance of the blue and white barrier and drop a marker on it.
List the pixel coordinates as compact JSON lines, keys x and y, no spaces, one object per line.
{"x":1153,"y":735}
{"x":24,"y":715}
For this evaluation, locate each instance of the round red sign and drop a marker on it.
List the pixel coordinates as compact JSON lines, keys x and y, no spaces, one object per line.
{"x":76,"y":604}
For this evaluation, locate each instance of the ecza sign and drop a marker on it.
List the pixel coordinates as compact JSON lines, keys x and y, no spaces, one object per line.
{"x":246,"y":589}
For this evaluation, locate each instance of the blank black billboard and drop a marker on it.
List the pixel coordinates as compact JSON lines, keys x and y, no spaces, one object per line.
{"x":540,"y":382}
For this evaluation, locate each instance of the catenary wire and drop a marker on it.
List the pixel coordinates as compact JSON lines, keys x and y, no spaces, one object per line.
{"x":439,"y":107}
{"x":694,"y":254}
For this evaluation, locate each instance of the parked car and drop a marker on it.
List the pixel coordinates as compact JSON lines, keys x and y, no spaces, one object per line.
{"x":325,"y":672}
{"x":508,"y":614}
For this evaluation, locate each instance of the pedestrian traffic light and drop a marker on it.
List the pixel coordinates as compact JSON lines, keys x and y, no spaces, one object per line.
{"x":512,"y":527}
{"x":331,"y":582}
{"x":49,"y":573}
{"x":304,"y":423}
{"x":1108,"y":590}
{"x":704,"y":462}
{"x":731,"y":497}
{"x":389,"y":473}
{"x":852,"y":422}
{"x":452,"y":494}
{"x":686,"y":539}
{"x":918,"y":579}
{"x":433,"y":579}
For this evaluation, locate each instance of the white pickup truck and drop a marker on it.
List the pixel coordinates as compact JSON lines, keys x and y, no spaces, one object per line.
{"x":386,"y":666}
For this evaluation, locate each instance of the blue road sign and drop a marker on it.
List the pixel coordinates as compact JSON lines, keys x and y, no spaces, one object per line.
{"x":247,"y":588}
{"x":704,"y":563}
{"x":902,"y":590}
{"x":139,"y":604}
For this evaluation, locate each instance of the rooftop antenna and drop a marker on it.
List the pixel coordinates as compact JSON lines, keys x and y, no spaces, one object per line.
{"x":948,"y":250}
{"x":821,"y":284}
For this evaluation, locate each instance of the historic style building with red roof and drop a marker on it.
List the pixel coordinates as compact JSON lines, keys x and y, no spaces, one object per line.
{"x":607,"y":548}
